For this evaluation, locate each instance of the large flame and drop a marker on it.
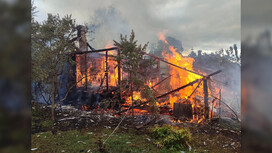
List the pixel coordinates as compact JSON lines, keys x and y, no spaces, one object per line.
{"x":179,"y":76}
{"x":96,"y":68}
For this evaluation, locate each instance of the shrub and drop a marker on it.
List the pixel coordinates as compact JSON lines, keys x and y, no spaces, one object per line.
{"x":170,"y":137}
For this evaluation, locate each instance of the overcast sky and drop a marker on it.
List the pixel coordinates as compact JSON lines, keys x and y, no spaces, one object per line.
{"x":256,"y":17}
{"x":200,"y":24}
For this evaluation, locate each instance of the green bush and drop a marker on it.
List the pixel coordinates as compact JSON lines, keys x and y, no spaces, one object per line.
{"x":170,"y":137}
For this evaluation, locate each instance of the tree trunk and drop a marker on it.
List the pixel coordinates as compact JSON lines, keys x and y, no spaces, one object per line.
{"x":53,"y":100}
{"x":132,"y":103}
{"x":119,"y":75}
{"x":131,"y":92}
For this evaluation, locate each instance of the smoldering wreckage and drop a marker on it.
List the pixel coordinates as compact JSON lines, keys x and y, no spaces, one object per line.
{"x":100,"y":94}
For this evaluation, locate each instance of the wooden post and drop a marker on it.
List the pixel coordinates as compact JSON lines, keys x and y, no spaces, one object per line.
{"x":206,"y":102}
{"x":106,"y":72}
{"x":219,"y":103}
{"x":119,"y":73}
{"x":212,"y":109}
{"x":86,"y":67}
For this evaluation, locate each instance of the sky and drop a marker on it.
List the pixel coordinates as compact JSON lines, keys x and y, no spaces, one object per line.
{"x":256,"y":18}
{"x":208,"y":25}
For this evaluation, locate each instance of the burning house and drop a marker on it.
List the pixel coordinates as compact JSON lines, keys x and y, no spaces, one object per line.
{"x":180,"y":90}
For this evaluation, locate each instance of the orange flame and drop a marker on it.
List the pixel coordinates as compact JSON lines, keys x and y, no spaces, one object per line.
{"x":96,"y":68}
{"x":179,"y":76}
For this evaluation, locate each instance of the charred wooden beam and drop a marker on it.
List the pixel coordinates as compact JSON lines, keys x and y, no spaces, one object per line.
{"x":168,"y":93}
{"x":214,"y":73}
{"x":155,"y":90}
{"x":206,"y":102}
{"x":95,"y":51}
{"x":158,"y":58}
{"x":220,"y":103}
{"x":206,"y":93}
{"x":194,"y":90}
{"x":161,"y":81}
{"x":81,"y":30}
{"x":90,"y":46}
{"x":106,"y":72}
{"x":173,"y":64}
{"x":86,"y":70}
{"x":177,"y":89}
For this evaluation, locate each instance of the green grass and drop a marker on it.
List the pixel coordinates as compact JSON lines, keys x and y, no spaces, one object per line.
{"x":67,"y":141}
{"x":123,"y":141}
{"x":88,"y":140}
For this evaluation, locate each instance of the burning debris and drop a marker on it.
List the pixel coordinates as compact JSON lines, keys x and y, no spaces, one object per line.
{"x":224,"y":133}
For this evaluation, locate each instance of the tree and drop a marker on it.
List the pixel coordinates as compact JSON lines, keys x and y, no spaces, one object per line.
{"x":50,"y":50}
{"x":132,"y":55}
{"x":238,"y":58}
{"x":192,"y":54}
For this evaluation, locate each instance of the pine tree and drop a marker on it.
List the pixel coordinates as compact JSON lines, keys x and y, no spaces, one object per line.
{"x":50,"y":49}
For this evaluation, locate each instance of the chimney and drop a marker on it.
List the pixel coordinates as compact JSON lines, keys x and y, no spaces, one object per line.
{"x":82,"y":60}
{"x":81,"y":33}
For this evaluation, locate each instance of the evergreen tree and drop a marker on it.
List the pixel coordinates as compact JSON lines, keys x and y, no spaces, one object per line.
{"x":132,"y":56}
{"x":50,"y":50}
